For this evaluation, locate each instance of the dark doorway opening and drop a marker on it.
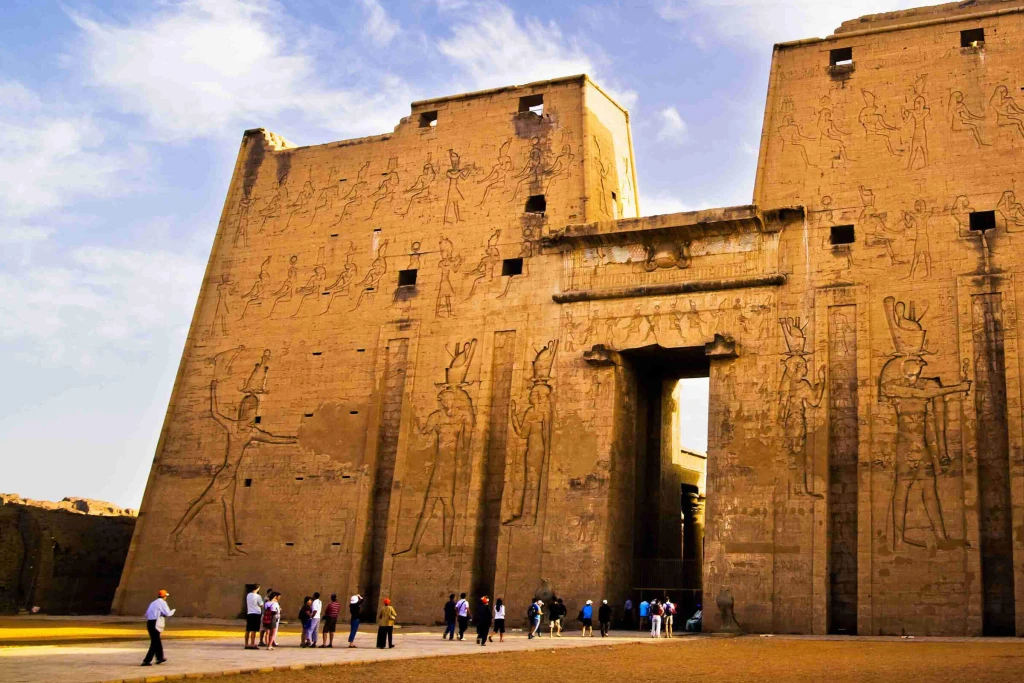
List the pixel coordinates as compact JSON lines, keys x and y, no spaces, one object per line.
{"x":668,"y":518}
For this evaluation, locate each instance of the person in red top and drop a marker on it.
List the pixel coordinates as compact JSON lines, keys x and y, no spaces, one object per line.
{"x":331,"y":613}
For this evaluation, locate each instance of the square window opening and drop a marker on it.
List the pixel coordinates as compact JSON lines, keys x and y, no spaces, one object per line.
{"x":842,"y":56}
{"x":972,"y":37}
{"x":533,"y":104}
{"x":248,"y":483}
{"x":407,"y":278}
{"x":841,"y":234}
{"x":536,"y":203}
{"x":511,"y":266}
{"x":982,"y":220}
{"x":428,"y":119}
{"x":257,"y":420}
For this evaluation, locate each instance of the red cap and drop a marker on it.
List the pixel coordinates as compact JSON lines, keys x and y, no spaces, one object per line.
{"x":162,"y":593}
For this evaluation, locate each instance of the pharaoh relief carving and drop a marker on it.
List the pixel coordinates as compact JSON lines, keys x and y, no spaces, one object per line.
{"x":448,"y":430}
{"x":798,"y":398}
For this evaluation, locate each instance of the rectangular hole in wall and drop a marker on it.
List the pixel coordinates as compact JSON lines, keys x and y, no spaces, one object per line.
{"x":972,"y":37}
{"x":512,"y":266}
{"x":334,"y":234}
{"x":428,"y":119}
{"x":353,"y":412}
{"x":289,"y":544}
{"x":308,"y":414}
{"x":346,"y":476}
{"x":842,"y":56}
{"x":318,"y":353}
{"x":257,"y":420}
{"x":248,"y":483}
{"x":238,"y":543}
{"x":841,"y":234}
{"x":982,"y":221}
{"x":298,"y":478}
{"x":407,"y":278}
{"x":536,"y":203}
{"x":335,"y":544}
{"x":533,"y":104}
{"x":360,"y":350}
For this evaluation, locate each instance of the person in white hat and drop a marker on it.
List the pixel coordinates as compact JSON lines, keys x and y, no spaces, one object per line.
{"x":355,"y":609}
{"x":587,"y":619}
{"x":604,"y":617}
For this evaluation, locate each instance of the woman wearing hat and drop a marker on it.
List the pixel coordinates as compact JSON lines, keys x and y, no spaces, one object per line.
{"x":155,"y":614}
{"x":386,"y":616}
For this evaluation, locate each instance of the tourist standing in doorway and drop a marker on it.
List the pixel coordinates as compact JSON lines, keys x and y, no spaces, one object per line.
{"x":253,"y":616}
{"x":314,"y":621}
{"x":451,"y":613}
{"x":331,"y":613}
{"x":628,"y":616}
{"x":483,"y":620}
{"x":355,"y":610}
{"x":668,"y":617}
{"x":305,"y":617}
{"x":462,"y":609}
{"x":156,"y":614}
{"x":587,"y":619}
{"x":604,"y":617}
{"x":556,"y":617}
{"x":386,"y":617}
{"x":263,"y":624}
{"x":645,"y":609}
{"x":272,"y":617}
{"x":499,"y":620}
{"x":656,"y":612}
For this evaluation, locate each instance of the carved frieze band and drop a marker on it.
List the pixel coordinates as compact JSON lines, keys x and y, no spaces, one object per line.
{"x":667,"y":288}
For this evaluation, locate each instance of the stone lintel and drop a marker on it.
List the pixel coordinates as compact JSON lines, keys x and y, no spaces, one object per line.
{"x":668,"y":288}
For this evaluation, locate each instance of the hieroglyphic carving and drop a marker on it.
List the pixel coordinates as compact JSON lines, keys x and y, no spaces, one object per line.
{"x":1010,"y":211}
{"x":225,"y":288}
{"x":241,"y":432}
{"x":1008,"y":114}
{"x":385,"y":192}
{"x":340,"y":285}
{"x":915,"y":119}
{"x":488,"y":262}
{"x":254,"y":297}
{"x":450,"y":261}
{"x":455,"y":173}
{"x":830,"y":136}
{"x":797,"y":395}
{"x":419,"y":191}
{"x":531,"y":173}
{"x":523,"y":482}
{"x":872,"y":119}
{"x":355,"y":193}
{"x":495,"y":180}
{"x":921,"y":448}
{"x":449,"y":428}
{"x":371,"y":280}
{"x":791,"y":134}
{"x":875,"y":226}
{"x":962,"y":119}
{"x":917,"y":225}
{"x":311,"y":290}
{"x":287,"y":289}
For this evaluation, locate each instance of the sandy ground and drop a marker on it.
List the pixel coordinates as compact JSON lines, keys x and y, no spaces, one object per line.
{"x":46,"y":630}
{"x":749,"y":658}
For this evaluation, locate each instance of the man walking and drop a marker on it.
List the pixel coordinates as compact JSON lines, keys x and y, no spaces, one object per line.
{"x":604,"y":615}
{"x":331,"y":613}
{"x":314,"y":621}
{"x":157,"y":611}
{"x":253,"y":616}
{"x":355,"y":608}
{"x":450,"y":614}
{"x":556,"y":615}
{"x":644,"y":609}
{"x":462,"y":609}
{"x":483,"y":620}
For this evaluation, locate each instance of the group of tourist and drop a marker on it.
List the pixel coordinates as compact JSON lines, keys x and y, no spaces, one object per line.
{"x":320,"y":621}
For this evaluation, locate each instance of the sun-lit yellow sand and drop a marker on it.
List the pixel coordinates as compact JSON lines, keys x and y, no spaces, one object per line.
{"x":31,"y":630}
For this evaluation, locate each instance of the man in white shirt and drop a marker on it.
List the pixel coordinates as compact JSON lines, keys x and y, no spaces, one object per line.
{"x":253,"y":616}
{"x":462,"y":607}
{"x":155,"y":614}
{"x":318,"y":608}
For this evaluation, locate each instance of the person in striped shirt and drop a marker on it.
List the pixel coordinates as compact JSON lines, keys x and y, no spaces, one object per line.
{"x":331,"y":613}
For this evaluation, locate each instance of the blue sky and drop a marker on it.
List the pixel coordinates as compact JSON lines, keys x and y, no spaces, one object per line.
{"x":119,"y":125}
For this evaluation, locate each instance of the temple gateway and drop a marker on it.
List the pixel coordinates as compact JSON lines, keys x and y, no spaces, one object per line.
{"x":446,"y":358}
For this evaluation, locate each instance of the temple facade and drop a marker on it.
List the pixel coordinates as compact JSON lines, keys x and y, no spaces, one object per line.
{"x":443,"y":359}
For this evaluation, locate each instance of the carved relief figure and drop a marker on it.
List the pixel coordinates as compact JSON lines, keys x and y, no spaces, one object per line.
{"x":345,"y":277}
{"x":449,"y":429}
{"x":275,"y":206}
{"x":419,"y":191}
{"x":666,"y":253}
{"x":1008,"y":114}
{"x":796,"y":395}
{"x":287,"y":288}
{"x":488,"y":262}
{"x":454,"y":175}
{"x":299,"y":210}
{"x":534,"y":427}
{"x":827,"y":130}
{"x":877,"y":231}
{"x":245,"y":205}
{"x":602,"y":175}
{"x":791,"y":134}
{"x":962,"y":119}
{"x":961,"y":213}
{"x":241,"y":432}
{"x":873,"y":122}
{"x":225,"y":288}
{"x":531,"y":173}
{"x":915,"y":119}
{"x":1010,"y":211}
{"x":561,"y":164}
{"x":311,"y":290}
{"x":495,"y":180}
{"x":385,"y":192}
{"x":355,"y":193}
{"x":254,"y":297}
{"x":378,"y":267}
{"x":917,"y":225}
{"x":921,"y":450}
{"x":444,"y":305}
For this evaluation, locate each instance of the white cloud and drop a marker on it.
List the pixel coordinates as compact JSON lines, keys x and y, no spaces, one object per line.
{"x":210,"y":67}
{"x":380,"y":27}
{"x":495,"y":50}
{"x":673,"y":129}
{"x":769,"y":21}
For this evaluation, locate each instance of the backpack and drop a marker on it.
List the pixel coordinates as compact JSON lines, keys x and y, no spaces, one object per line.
{"x":531,"y":612}
{"x":580,"y":616}
{"x":670,"y":609}
{"x":268,"y":615}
